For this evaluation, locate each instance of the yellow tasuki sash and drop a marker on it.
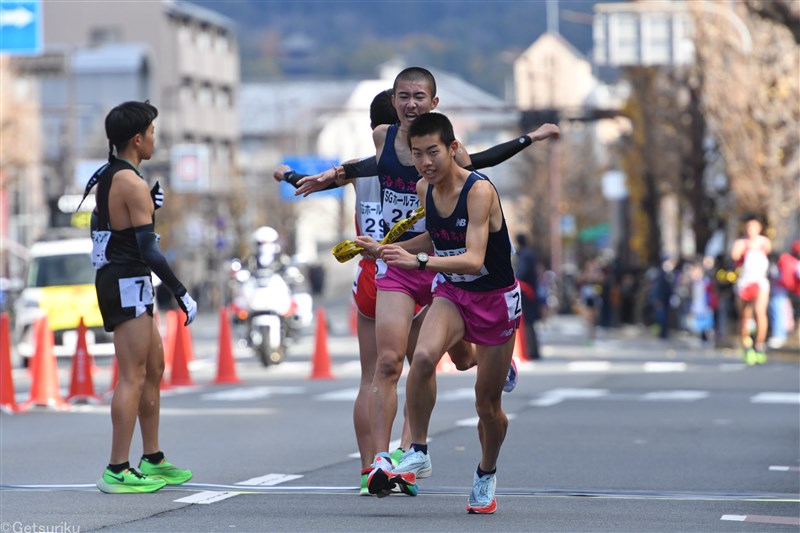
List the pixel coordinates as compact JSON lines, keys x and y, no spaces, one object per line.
{"x":346,"y":250}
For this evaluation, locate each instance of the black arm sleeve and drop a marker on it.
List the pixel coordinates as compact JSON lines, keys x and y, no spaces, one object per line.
{"x":291,"y":177}
{"x":147,"y":240}
{"x":497,"y":154}
{"x":363,"y":168}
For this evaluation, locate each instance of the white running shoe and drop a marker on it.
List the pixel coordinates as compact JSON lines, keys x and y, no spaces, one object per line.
{"x":481,"y":499}
{"x":416,"y":462}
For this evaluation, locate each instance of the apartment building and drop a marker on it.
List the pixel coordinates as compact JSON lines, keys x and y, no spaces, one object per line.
{"x":186,"y":61}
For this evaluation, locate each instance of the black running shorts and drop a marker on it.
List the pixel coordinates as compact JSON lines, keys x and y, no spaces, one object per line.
{"x":123,"y":292}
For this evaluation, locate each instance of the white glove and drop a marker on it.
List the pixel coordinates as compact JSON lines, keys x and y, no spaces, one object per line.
{"x":157,"y":194}
{"x":189,"y":306}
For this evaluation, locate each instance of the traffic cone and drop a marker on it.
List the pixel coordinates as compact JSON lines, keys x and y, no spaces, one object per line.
{"x":168,"y":341}
{"x":81,"y":387}
{"x":321,"y":363}
{"x":44,"y":388}
{"x":180,"y":360}
{"x":226,"y":365}
{"x":446,"y":365}
{"x":8,"y":403}
{"x":520,"y":344}
{"x":188,"y":346}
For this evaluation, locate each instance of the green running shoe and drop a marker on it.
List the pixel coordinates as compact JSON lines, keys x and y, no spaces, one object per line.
{"x":364,"y":489}
{"x":750,"y":356}
{"x":761,"y":358}
{"x":127,"y":482}
{"x":166,"y":471}
{"x":397,"y":456}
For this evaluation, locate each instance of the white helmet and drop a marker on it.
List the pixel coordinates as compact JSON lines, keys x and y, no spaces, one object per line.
{"x":264,"y":235}
{"x":266,"y":245}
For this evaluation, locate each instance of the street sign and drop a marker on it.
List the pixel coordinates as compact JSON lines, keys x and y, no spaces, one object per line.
{"x":189,"y":165}
{"x":21,"y":27}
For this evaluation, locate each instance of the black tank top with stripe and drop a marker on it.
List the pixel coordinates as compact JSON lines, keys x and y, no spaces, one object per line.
{"x":449,"y":235}
{"x":398,"y":189}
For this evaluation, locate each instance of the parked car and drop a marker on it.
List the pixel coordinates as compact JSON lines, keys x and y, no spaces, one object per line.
{"x":60,"y":285}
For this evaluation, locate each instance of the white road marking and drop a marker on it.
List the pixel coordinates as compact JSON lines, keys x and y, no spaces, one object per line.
{"x":473,"y":422}
{"x":343,"y":395}
{"x":675,"y":395}
{"x":665,"y":367}
{"x":734,"y":517}
{"x":555,"y":396}
{"x":776,"y":397}
{"x":589,"y":366}
{"x":763,"y":519}
{"x":251,"y":393}
{"x":209,"y":496}
{"x":785,"y":468}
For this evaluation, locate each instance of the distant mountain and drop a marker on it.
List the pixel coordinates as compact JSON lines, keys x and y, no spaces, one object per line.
{"x":349,"y":39}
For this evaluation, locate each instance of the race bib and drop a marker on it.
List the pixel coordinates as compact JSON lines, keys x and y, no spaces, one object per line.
{"x":136,"y":292}
{"x":398,"y":206}
{"x":100,"y":240}
{"x":370,"y":219}
{"x":513,"y":303}
{"x":460,"y":278}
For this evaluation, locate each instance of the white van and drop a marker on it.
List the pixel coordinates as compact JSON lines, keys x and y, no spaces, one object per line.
{"x":60,"y":284}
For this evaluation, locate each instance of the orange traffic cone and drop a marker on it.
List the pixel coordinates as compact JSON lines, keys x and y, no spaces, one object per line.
{"x":226,"y":365}
{"x":446,"y":365}
{"x":321,"y":363}
{"x":81,"y":387}
{"x":180,"y":359}
{"x":521,"y":344}
{"x":188,"y":346}
{"x":8,"y":403}
{"x":44,"y":388}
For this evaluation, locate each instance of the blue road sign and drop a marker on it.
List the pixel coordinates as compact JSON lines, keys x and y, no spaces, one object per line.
{"x":307,"y":165}
{"x":21,"y":27}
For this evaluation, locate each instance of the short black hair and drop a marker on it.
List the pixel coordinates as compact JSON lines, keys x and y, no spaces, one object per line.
{"x":126,"y":120}
{"x":432,"y":124}
{"x":417,"y":73}
{"x":747,"y":217}
{"x":381,"y":110}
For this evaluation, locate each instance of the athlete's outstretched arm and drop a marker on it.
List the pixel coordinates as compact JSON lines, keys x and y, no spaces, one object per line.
{"x":501,"y":152}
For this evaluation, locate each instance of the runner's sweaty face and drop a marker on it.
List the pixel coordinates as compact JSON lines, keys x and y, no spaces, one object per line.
{"x":412,"y":98}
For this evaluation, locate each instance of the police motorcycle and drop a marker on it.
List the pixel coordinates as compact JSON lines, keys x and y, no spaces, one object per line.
{"x":264,"y":300}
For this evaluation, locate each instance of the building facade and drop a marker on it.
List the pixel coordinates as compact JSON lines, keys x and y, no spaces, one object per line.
{"x":186,"y":62}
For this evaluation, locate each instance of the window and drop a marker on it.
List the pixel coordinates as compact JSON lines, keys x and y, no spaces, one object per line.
{"x":105,"y":34}
{"x":204,"y":37}
{"x":224,"y":100}
{"x":205,"y":95}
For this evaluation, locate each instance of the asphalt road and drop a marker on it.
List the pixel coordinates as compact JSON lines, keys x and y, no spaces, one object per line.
{"x":629,"y":434}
